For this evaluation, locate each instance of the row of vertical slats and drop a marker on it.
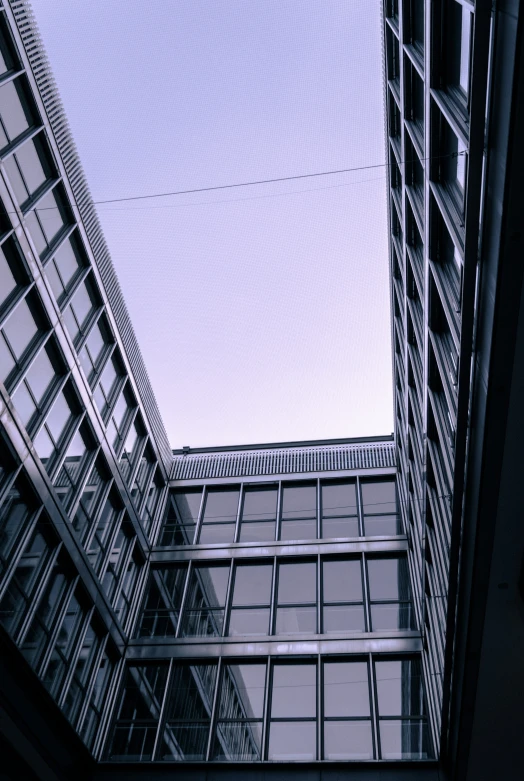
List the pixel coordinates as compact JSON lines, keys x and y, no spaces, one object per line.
{"x":201,"y":466}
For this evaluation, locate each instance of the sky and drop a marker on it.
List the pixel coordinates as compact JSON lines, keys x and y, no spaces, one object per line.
{"x":262,"y":312}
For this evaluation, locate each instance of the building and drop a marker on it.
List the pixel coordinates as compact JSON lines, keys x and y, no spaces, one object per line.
{"x":355,"y":606}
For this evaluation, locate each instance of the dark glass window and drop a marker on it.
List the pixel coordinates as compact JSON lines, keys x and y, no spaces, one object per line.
{"x":339,"y":510}
{"x":343,"y":601}
{"x":299,"y":512}
{"x":451,"y":162}
{"x":76,"y":460}
{"x":15,"y":114}
{"x":80,"y":311}
{"x":56,"y":428}
{"x":104,"y":528}
{"x":390,"y":594}
{"x":403,"y":726}
{"x":124,"y":598}
{"x":13,"y":276}
{"x":46,"y":221}
{"x":78,"y":687}
{"x":131,"y":446}
{"x":458,"y":27}
{"x":91,"y":495}
{"x":32,"y":394}
{"x":63,"y":269}
{"x":89,"y":728}
{"x":153,"y":497}
{"x":296,"y":597}
{"x":120,"y":414}
{"x":18,"y":596}
{"x":143,"y":477}
{"x":220,"y":515}
{"x":118,"y":554}
{"x":163,"y":602}
{"x":379,"y":501}
{"x":251,"y":599}
{"x":206,"y":600}
{"x":238,"y":735}
{"x":29,"y":169}
{"x":347,"y":714}
{"x":188,"y":713}
{"x":95,"y":349}
{"x":181,"y":517}
{"x":138,"y":713}
{"x":15,"y":511}
{"x":21,"y":331}
{"x":65,"y":645}
{"x":259,"y":513}
{"x":293,"y":727}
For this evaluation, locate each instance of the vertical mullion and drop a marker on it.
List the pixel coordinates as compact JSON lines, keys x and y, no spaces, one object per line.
{"x":213,"y":714}
{"x":320,"y":709}
{"x":267,"y":711}
{"x":91,"y":683}
{"x":162,"y":714}
{"x":374,"y":706}
{"x":272,"y":607}
{"x":279,"y":511}
{"x":106,"y":716}
{"x":360,"y":508}
{"x":227,"y":603}
{"x":200,"y":514}
{"x":184,"y":597}
{"x":320,"y":595}
{"x":239,"y":511}
{"x":365,"y":583}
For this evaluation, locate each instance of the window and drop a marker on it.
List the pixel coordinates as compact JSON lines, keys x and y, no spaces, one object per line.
{"x":56,"y":428}
{"x":63,"y":270}
{"x":29,"y":169}
{"x":13,"y":277}
{"x":38,"y":636}
{"x":82,"y":674}
{"x":17,"y":598}
{"x":414,"y":102}
{"x":299,"y":512}
{"x":89,"y":728}
{"x":339,"y":510}
{"x":15,"y":114}
{"x":81,"y":310}
{"x":238,"y":734}
{"x":343,"y":601}
{"x":15,"y":510}
{"x":296,"y":598}
{"x":379,"y":501}
{"x":20,"y":333}
{"x":46,"y":221}
{"x":110,"y":382}
{"x":414,"y":11}
{"x":390,"y":594}
{"x":125,"y":597}
{"x":103,"y":532}
{"x":451,"y":163}
{"x":293,"y":726}
{"x":120,"y":547}
{"x":347,"y":714}
{"x":153,"y":497}
{"x":259,"y":513}
{"x":138,"y":713}
{"x":65,"y":644}
{"x":206,"y":600}
{"x":458,"y":27}
{"x":95,"y":349}
{"x":403,"y":728}
{"x":181,"y":517}
{"x":77,"y":458}
{"x":220,"y":515}
{"x":188,"y":713}
{"x":163,"y":601}
{"x":131,"y":447}
{"x":34,"y":392}
{"x":143,"y":477}
{"x":251,"y":601}
{"x":120,"y":415}
{"x":92,"y":494}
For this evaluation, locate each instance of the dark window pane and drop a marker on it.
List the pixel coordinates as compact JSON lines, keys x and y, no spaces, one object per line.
{"x":346,"y":689}
{"x":20,"y":329}
{"x":388,"y":578}
{"x":340,"y":527}
{"x":237,"y":741}
{"x":8,"y":283}
{"x":399,"y":687}
{"x":297,"y":582}
{"x":298,"y":530}
{"x":342,"y":581}
{"x":249,"y":621}
{"x":293,"y":740}
{"x":260,"y":504}
{"x":31,"y":166}
{"x":344,"y":618}
{"x":214,"y":533}
{"x":339,"y":499}
{"x":379,"y":497}
{"x":392,"y":616}
{"x":294,"y":691}
{"x":404,"y":739}
{"x":50,"y":215}
{"x":294,"y":620}
{"x":257,"y":532}
{"x":299,"y":501}
{"x":242,"y":691}
{"x":252,"y":584}
{"x":13,"y":115}
{"x":204,"y":614}
{"x":348,"y":740}
{"x":381,"y":525}
{"x":221,"y":506}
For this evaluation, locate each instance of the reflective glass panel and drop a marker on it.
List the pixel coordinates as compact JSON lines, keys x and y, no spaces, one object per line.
{"x":388,"y":578}
{"x":346,"y":689}
{"x":399,"y":687}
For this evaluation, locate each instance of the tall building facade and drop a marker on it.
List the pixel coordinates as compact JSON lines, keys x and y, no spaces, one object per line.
{"x":201,"y":613}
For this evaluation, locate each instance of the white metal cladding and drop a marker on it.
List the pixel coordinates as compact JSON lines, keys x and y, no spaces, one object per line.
{"x":41,"y":69}
{"x":286,"y":460}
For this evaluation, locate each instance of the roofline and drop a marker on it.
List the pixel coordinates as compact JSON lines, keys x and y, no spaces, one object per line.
{"x":275,"y":445}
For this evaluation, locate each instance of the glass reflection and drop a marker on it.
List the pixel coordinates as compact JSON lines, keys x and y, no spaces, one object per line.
{"x":259,"y":513}
{"x":390,"y":594}
{"x":339,"y":510}
{"x":163,"y":602}
{"x":220,"y":515}
{"x":343,"y":608}
{"x":251,"y":600}
{"x":181,"y":518}
{"x":299,"y":512}
{"x":292,"y":732}
{"x":297,"y":598}
{"x":379,"y":502}
{"x":240,"y":711}
{"x":206,"y":598}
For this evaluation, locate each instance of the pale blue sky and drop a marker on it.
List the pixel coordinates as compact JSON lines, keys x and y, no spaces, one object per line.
{"x":262,"y":312}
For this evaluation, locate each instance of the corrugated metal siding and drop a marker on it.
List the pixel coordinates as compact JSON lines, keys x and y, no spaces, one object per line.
{"x":329,"y":458}
{"x":57,"y":119}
